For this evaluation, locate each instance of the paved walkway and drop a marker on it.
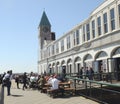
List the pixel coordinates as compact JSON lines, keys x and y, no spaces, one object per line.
{"x":18,"y":96}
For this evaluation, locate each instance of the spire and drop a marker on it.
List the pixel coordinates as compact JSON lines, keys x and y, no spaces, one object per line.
{"x":44,"y":20}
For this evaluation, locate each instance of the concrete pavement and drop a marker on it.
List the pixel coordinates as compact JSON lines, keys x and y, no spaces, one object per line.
{"x":18,"y":96}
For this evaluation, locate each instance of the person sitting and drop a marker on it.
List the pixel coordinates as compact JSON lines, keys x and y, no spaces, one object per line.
{"x":41,"y":83}
{"x":60,"y":78}
{"x":54,"y":82}
{"x":50,"y":79}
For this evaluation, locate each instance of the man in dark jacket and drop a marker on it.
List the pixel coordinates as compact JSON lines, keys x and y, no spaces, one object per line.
{"x":7,"y":80}
{"x":24,"y":81}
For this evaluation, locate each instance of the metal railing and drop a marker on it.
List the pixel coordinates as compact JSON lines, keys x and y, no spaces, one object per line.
{"x":109,"y":76}
{"x":101,"y":86}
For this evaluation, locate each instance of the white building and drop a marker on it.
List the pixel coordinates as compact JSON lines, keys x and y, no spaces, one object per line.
{"x":93,"y":43}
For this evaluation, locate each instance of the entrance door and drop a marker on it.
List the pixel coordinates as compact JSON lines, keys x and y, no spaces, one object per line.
{"x":100,"y":66}
{"x":63,"y":71}
{"x":117,"y":68}
{"x":78,"y":67}
{"x":50,"y":71}
{"x":70,"y":66}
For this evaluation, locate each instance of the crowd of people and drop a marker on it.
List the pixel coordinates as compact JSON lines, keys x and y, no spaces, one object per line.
{"x":31,"y":80}
{"x":86,"y":72}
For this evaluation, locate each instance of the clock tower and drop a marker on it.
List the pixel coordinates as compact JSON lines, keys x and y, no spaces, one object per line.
{"x":44,"y":30}
{"x":45,"y":38}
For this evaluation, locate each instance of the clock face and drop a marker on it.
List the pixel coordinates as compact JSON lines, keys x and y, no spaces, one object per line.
{"x":45,"y":29}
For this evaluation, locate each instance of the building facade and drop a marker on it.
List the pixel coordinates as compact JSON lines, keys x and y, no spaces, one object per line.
{"x":94,"y":43}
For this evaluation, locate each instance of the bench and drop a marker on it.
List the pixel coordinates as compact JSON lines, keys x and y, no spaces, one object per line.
{"x":69,"y":90}
{"x":44,"y":89}
{"x":53,"y":92}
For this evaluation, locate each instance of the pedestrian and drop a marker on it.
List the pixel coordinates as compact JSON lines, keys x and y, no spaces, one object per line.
{"x":81,"y":73}
{"x":24,"y":81}
{"x":0,"y":79}
{"x":7,"y":80}
{"x":86,"y":72}
{"x":90,"y":73}
{"x":17,"y":81}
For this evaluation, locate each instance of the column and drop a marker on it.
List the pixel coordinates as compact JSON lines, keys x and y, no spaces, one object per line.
{"x":111,"y":65}
{"x":116,"y":16}
{"x":102,"y":24}
{"x":109,"y":20}
{"x":96,"y":27}
{"x":91,"y":37}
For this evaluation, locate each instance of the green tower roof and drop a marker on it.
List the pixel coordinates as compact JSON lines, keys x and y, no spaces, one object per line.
{"x":44,"y":20}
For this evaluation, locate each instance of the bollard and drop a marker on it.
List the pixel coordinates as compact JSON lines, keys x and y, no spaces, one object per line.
{"x":1,"y":95}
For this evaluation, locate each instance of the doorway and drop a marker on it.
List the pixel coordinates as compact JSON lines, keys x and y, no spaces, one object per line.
{"x":117,"y":68}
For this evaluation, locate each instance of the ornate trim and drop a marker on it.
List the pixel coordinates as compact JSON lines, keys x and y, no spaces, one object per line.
{"x":86,"y":45}
{"x":76,"y":48}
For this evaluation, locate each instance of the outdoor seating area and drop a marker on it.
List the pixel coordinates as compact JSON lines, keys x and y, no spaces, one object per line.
{"x":64,"y":88}
{"x":53,"y":85}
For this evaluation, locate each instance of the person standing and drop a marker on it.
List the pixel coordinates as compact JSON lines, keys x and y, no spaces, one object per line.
{"x":7,"y":79}
{"x":17,"y":81}
{"x":86,"y":72}
{"x":0,"y":79}
{"x":80,"y":74}
{"x":24,"y":81}
{"x":90,"y":73}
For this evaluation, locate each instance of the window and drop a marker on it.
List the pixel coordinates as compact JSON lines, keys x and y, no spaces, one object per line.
{"x":88,"y":31}
{"x":45,"y":53}
{"x":112,"y":19}
{"x":99,"y":25}
{"x":93,"y":28}
{"x":53,"y":50}
{"x":119,"y":13}
{"x":76,"y":37}
{"x":57,"y":48}
{"x":105,"y":23}
{"x":49,"y":51}
{"x":62,"y":45}
{"x":68,"y":42}
{"x":84,"y":33}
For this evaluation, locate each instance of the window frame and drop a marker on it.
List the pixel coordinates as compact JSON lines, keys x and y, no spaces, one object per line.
{"x":105,"y":22}
{"x":99,"y":25}
{"x":62,"y":45}
{"x":112,"y":19}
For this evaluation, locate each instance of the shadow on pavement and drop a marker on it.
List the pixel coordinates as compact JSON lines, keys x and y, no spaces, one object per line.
{"x":17,"y":95}
{"x":65,"y":96}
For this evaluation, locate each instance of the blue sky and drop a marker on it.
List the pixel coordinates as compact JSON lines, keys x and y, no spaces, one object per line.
{"x":19,"y":20}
